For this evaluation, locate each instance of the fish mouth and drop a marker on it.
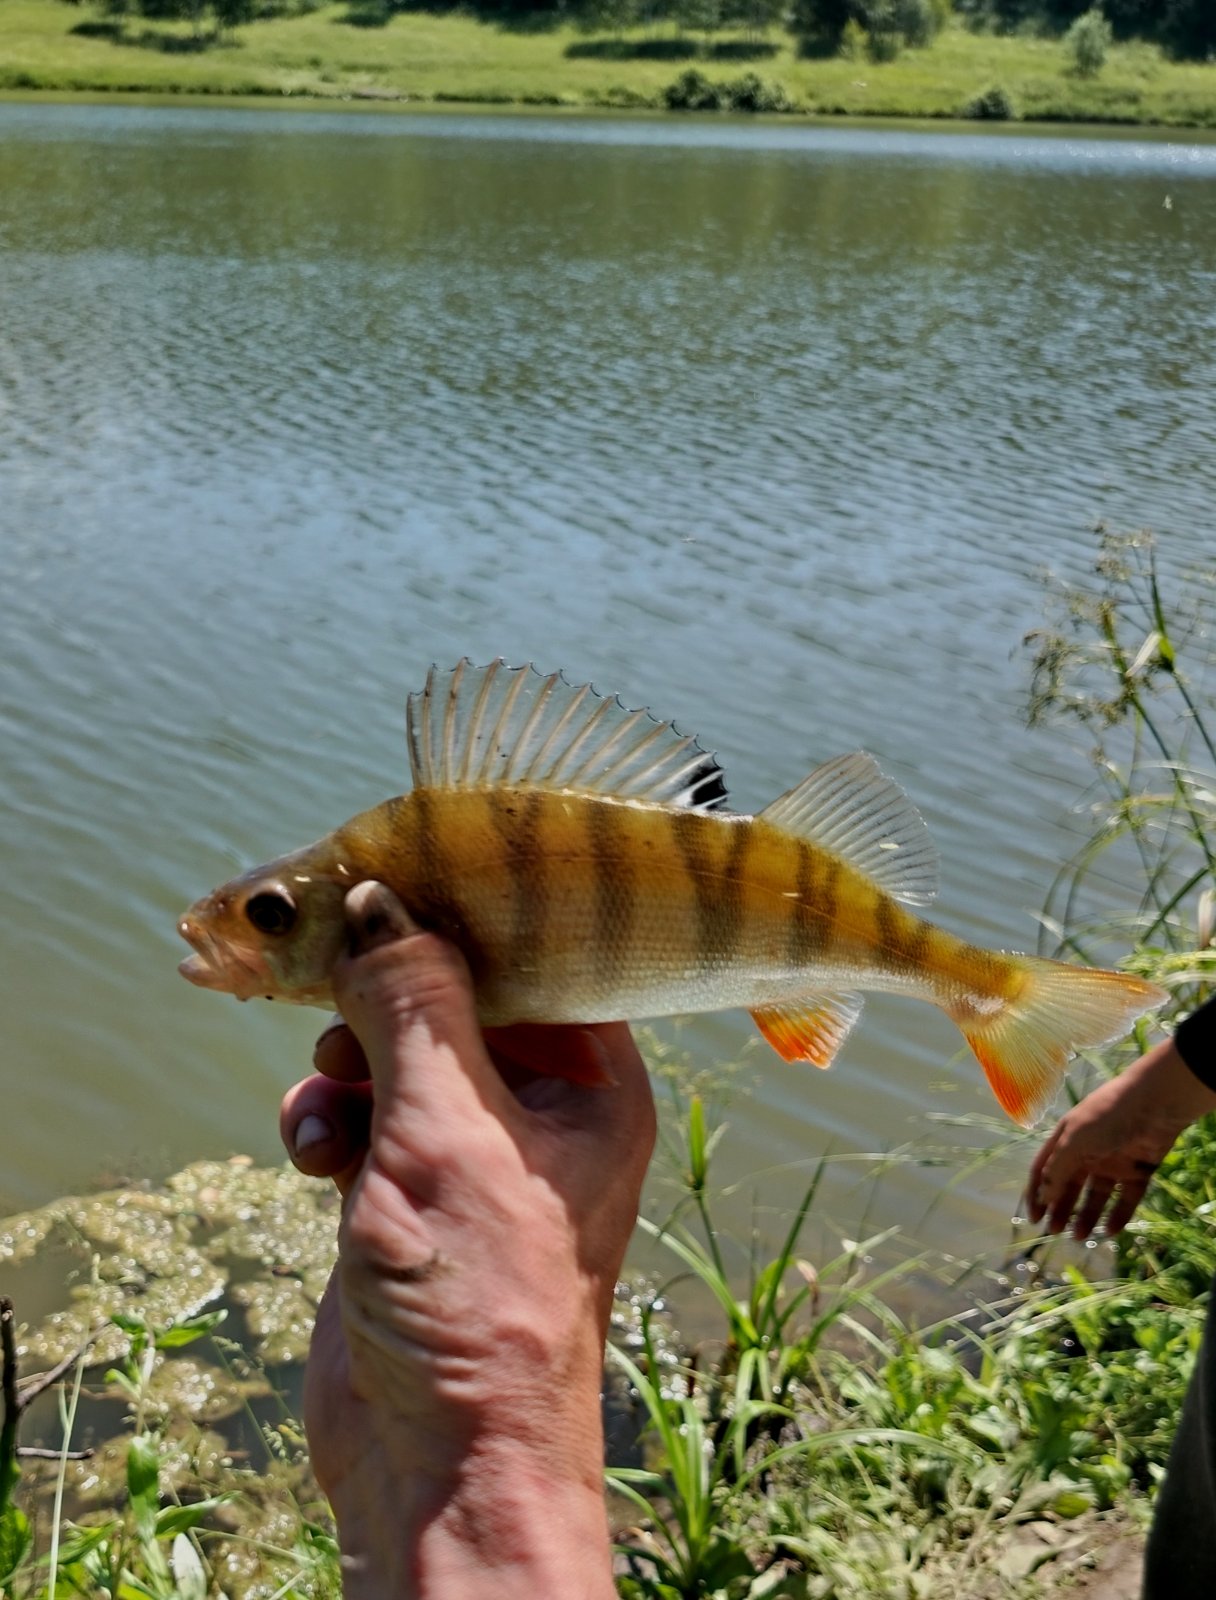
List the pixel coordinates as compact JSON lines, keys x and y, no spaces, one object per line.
{"x":197,"y":969}
{"x":216,"y":965}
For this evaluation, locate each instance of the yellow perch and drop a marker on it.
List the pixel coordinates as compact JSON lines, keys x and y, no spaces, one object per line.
{"x":581,"y":857}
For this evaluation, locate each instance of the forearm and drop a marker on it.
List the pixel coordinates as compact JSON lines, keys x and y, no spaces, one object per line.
{"x":1166,"y":1089}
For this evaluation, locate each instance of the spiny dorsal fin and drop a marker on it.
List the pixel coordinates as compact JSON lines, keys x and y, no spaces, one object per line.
{"x":809,"y":1030}
{"x":486,"y":727}
{"x":851,"y":808}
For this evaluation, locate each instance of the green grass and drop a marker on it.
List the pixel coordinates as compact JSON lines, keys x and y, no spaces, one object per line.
{"x":419,"y":57}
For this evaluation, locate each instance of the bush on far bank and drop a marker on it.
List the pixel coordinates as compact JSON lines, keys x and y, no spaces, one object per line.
{"x":1087,"y":42}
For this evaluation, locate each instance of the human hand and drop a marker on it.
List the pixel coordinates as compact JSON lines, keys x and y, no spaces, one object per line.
{"x":1109,"y":1145}
{"x":452,"y":1391}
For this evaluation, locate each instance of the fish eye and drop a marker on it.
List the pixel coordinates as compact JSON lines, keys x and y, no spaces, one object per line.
{"x":272,"y":911}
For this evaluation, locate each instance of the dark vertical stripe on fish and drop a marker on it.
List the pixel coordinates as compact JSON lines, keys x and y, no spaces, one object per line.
{"x":902,"y":938}
{"x":518,"y":823}
{"x":717,"y":887}
{"x":830,"y":902}
{"x":432,"y":907}
{"x":806,"y":936}
{"x":426,"y":848}
{"x":615,"y":892}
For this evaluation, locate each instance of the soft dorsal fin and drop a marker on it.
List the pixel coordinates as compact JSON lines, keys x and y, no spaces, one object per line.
{"x":851,"y":808}
{"x":486,"y":727}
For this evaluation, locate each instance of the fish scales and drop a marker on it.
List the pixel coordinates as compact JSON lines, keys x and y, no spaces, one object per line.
{"x":582,"y":858}
{"x":617,"y":903}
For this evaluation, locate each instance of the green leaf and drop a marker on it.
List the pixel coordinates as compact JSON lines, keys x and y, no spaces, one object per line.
{"x":1071,"y":1503}
{"x":180,"y":1519}
{"x":143,"y":1490}
{"x":84,"y":1541}
{"x":187,"y":1332}
{"x":143,"y":1470}
{"x":15,"y":1537}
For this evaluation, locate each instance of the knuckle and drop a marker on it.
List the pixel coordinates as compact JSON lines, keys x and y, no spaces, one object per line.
{"x":422,"y":974}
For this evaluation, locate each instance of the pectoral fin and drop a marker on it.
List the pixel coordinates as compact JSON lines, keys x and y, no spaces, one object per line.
{"x":810,"y":1030}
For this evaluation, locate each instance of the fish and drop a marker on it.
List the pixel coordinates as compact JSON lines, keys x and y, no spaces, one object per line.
{"x":584,"y":859}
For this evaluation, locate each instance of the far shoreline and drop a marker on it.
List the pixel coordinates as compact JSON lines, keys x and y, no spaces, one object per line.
{"x":329,"y":55}
{"x":448,"y":106}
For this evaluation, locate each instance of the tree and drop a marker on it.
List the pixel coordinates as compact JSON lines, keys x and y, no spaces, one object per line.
{"x":1087,"y":42}
{"x":607,"y":16}
{"x":888,"y":24}
{"x":757,"y":16}
{"x":818,"y":24}
{"x":1189,"y":28}
{"x":699,"y":16}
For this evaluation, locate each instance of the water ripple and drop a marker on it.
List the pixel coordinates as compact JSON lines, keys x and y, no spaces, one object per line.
{"x":771,"y":428}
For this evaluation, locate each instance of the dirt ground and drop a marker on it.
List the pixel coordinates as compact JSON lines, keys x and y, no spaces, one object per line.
{"x":1116,"y":1572}
{"x":1092,"y":1558}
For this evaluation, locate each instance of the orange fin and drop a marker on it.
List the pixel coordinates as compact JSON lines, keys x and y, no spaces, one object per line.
{"x":1024,"y":1044}
{"x":809,"y":1030}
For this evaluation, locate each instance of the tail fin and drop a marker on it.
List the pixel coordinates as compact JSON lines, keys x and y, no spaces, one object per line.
{"x":1025,"y":1043}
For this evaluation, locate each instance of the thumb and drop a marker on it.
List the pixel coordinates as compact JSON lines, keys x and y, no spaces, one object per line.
{"x":408,"y":998}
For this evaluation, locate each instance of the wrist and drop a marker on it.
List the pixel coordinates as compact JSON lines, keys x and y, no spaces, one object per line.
{"x":507,"y":1523}
{"x":1174,"y":1096}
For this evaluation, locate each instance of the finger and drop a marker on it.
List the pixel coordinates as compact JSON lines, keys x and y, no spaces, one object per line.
{"x":1130,"y":1195}
{"x":325,"y":1124}
{"x":1097,"y":1198}
{"x":1065,"y":1203}
{"x":408,"y":998}
{"x":1036,"y":1187}
{"x":338,"y":1054}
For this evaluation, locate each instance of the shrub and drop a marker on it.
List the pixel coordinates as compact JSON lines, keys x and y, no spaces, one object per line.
{"x":994,"y":104}
{"x":882,"y":45}
{"x":693,"y":91}
{"x":1087,"y":42}
{"x":753,"y":93}
{"x":854,"y":41}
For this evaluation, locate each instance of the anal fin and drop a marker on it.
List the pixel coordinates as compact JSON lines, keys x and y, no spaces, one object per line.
{"x":809,"y":1030}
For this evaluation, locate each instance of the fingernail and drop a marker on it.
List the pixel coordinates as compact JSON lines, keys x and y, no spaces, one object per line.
{"x":313,"y":1130}
{"x":376,"y":917}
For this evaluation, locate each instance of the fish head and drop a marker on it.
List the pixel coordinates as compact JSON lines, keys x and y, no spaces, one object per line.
{"x":274,"y":932}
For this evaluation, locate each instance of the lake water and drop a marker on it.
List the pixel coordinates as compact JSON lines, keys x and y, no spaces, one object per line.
{"x":771,"y":428}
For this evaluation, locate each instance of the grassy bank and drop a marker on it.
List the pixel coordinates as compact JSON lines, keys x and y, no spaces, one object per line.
{"x":415,"y":57}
